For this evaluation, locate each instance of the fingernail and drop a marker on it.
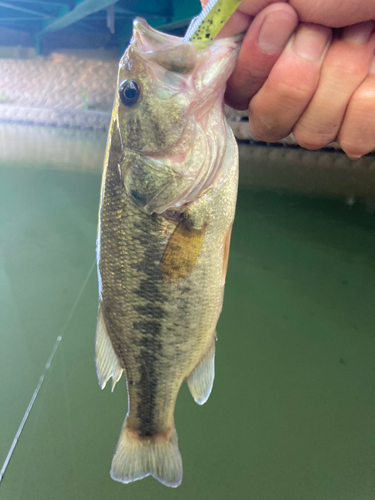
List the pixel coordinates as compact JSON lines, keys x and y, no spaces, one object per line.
{"x":310,"y":41}
{"x":275,"y":31}
{"x":358,"y":33}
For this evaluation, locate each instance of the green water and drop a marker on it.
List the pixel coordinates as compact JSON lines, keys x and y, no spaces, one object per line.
{"x":292,"y":412}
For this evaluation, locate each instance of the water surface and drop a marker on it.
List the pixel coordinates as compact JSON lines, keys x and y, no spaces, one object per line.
{"x":292,"y":412}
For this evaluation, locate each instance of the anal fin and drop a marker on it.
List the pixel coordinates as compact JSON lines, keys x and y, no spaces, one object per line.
{"x":107,"y":364}
{"x":201,"y":380}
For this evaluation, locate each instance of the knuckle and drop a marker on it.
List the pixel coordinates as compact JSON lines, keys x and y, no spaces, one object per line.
{"x":265,"y":129}
{"x":341,"y":69}
{"x":268,"y":135}
{"x":357,"y":135}
{"x":294,"y":91}
{"x":353,"y":150}
{"x":363,"y":100}
{"x":255,"y":74}
{"x":310,"y":144}
{"x":311,"y":140}
{"x":344,"y":78}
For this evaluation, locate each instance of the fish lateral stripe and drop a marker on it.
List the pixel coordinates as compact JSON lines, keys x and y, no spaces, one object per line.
{"x":182,"y":252}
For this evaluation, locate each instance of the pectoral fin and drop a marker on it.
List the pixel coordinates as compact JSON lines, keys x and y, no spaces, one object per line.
{"x":201,"y":380}
{"x":182,"y":252}
{"x":107,"y":364}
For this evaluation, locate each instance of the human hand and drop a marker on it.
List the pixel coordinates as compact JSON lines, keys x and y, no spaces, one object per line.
{"x":322,"y":90}
{"x":330,"y":13}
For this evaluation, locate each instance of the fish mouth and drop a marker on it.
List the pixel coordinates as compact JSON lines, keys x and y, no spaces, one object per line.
{"x":141,"y":25}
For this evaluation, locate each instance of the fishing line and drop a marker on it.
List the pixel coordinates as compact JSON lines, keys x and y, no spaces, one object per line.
{"x":44,"y":373}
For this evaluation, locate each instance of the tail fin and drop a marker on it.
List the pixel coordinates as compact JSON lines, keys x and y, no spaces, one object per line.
{"x":137,"y":458}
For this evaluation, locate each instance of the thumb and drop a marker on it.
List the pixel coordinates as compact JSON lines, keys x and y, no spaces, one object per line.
{"x":263,"y":44}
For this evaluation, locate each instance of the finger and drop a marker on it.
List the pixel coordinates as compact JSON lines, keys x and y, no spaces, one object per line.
{"x":242,"y":17}
{"x":345,"y":66}
{"x":332,"y":13}
{"x":238,"y":23}
{"x":357,"y":134}
{"x":275,"y":109}
{"x":260,"y":49}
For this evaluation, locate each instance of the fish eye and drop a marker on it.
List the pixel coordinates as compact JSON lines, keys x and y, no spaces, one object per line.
{"x":129,"y":92}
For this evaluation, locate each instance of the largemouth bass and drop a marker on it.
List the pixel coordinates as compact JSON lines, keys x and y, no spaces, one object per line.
{"x":167,"y":207}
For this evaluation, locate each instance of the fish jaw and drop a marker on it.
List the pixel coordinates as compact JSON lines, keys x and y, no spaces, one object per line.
{"x":179,"y":114}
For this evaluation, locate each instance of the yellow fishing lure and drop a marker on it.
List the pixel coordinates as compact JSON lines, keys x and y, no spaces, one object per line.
{"x":207,"y":25}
